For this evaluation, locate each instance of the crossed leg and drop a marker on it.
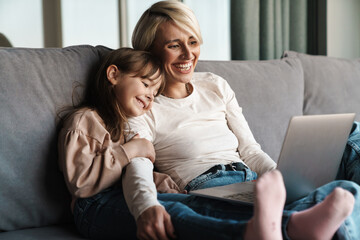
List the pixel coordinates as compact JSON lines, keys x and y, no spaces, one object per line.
{"x":322,"y":220}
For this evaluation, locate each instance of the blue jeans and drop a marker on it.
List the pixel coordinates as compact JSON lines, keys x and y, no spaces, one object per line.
{"x":106,"y":215}
{"x":350,"y":164}
{"x":221,"y":177}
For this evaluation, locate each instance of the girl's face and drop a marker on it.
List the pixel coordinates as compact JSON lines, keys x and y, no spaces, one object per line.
{"x":178,"y":50}
{"x":134,"y":94}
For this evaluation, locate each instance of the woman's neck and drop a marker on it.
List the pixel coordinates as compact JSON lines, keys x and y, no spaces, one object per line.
{"x":178,"y":91}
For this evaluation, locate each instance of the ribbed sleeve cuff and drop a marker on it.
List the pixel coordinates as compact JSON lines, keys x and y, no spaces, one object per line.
{"x":120,"y":155}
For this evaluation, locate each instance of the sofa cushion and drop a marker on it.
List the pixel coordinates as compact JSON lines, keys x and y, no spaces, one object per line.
{"x":270,"y":93}
{"x":332,"y":85}
{"x":57,"y":232}
{"x":35,"y":84}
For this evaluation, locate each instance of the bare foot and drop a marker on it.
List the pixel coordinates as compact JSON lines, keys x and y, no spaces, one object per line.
{"x":268,"y":208}
{"x":324,"y":219}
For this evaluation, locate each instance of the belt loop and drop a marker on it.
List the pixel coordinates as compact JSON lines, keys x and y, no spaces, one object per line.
{"x":223,"y":167}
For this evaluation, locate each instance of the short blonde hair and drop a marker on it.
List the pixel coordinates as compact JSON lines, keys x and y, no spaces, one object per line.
{"x":145,"y":30}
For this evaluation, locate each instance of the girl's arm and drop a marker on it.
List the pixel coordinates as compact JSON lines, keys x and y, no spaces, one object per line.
{"x":90,"y":166}
{"x":89,"y":159}
{"x":139,"y":147}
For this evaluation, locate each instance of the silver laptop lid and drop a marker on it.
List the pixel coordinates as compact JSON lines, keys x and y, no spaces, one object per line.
{"x":312,"y":151}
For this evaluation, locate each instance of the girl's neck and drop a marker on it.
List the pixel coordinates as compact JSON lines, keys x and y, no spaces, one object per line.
{"x":178,"y":91}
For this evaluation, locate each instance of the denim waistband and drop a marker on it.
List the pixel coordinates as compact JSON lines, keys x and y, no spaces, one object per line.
{"x":236,"y":166}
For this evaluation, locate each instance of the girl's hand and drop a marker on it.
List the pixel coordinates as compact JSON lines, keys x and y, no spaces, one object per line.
{"x":165,"y":184}
{"x":155,"y":223}
{"x":139,"y":147}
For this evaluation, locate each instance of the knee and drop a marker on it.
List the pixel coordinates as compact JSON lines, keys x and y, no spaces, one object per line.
{"x":175,"y":208}
{"x":350,"y":186}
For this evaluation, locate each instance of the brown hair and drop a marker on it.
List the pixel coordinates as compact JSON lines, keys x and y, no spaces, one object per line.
{"x":100,"y":94}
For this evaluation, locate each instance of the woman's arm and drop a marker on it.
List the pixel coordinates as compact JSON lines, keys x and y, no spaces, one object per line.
{"x":138,"y":186}
{"x":140,"y":190}
{"x":249,"y":150}
{"x":153,"y":221}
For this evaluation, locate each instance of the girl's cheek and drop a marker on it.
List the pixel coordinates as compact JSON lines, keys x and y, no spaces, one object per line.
{"x":149,"y":107}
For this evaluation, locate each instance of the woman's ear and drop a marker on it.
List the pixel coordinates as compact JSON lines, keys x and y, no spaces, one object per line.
{"x":112,"y":74}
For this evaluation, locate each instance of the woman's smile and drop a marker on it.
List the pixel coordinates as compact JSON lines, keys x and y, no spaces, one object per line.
{"x":183,"y":67}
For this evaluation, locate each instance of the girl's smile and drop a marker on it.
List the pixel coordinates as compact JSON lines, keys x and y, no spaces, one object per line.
{"x":134,"y":94}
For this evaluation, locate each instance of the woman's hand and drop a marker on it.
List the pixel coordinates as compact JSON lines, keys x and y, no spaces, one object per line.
{"x":139,"y":147}
{"x":155,"y":223}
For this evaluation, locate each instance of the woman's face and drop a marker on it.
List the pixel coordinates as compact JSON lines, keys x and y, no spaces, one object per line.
{"x":178,"y":50}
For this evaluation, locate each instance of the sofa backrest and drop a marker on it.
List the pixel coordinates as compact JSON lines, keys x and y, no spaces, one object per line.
{"x":35,"y":84}
{"x":332,"y":85}
{"x":269,"y":92}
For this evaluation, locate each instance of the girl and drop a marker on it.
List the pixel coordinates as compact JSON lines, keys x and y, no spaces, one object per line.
{"x":92,"y":151}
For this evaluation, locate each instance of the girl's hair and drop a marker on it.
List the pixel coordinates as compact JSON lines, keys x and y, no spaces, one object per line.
{"x":100,"y":95}
{"x":145,"y":30}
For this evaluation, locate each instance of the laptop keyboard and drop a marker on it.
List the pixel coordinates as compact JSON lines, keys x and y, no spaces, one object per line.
{"x":243,"y":196}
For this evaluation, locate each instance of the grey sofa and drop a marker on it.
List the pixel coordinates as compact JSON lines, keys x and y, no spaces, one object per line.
{"x":36,"y":83}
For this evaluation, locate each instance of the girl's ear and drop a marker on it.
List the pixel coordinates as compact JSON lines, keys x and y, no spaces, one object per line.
{"x":112,"y":73}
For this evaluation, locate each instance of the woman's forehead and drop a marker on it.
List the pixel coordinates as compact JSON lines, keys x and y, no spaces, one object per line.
{"x":170,"y":32}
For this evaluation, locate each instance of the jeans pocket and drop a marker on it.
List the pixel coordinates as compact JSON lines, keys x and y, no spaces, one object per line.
{"x":197,"y":182}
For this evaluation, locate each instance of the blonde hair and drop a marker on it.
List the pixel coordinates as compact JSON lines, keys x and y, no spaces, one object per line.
{"x":145,"y":30}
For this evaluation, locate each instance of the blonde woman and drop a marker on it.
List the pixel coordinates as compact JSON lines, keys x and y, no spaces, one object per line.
{"x":202,"y":139}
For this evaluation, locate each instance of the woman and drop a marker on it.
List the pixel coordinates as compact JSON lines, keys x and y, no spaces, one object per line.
{"x":199,"y":133}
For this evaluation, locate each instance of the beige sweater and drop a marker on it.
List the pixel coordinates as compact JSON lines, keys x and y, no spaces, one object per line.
{"x":88,"y":158}
{"x":92,"y":162}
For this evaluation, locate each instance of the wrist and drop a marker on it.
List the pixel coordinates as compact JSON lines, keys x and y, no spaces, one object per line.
{"x":128,"y":150}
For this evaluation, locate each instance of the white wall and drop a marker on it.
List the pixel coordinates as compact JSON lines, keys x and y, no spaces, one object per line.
{"x":21,"y":22}
{"x":93,"y":22}
{"x":343,"y":28}
{"x":214,"y":21}
{"x":135,"y":9}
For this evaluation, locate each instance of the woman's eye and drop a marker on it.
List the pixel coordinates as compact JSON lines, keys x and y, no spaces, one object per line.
{"x":145,"y":84}
{"x":173,"y":46}
{"x":193,"y":42}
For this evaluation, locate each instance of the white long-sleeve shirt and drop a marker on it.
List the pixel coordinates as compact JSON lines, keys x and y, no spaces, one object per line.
{"x":191,"y":135}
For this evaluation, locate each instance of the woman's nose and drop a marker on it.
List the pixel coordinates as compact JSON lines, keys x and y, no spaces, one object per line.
{"x":186,"y":52}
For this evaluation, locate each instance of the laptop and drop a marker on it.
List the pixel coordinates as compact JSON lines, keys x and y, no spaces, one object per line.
{"x":310,"y":157}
